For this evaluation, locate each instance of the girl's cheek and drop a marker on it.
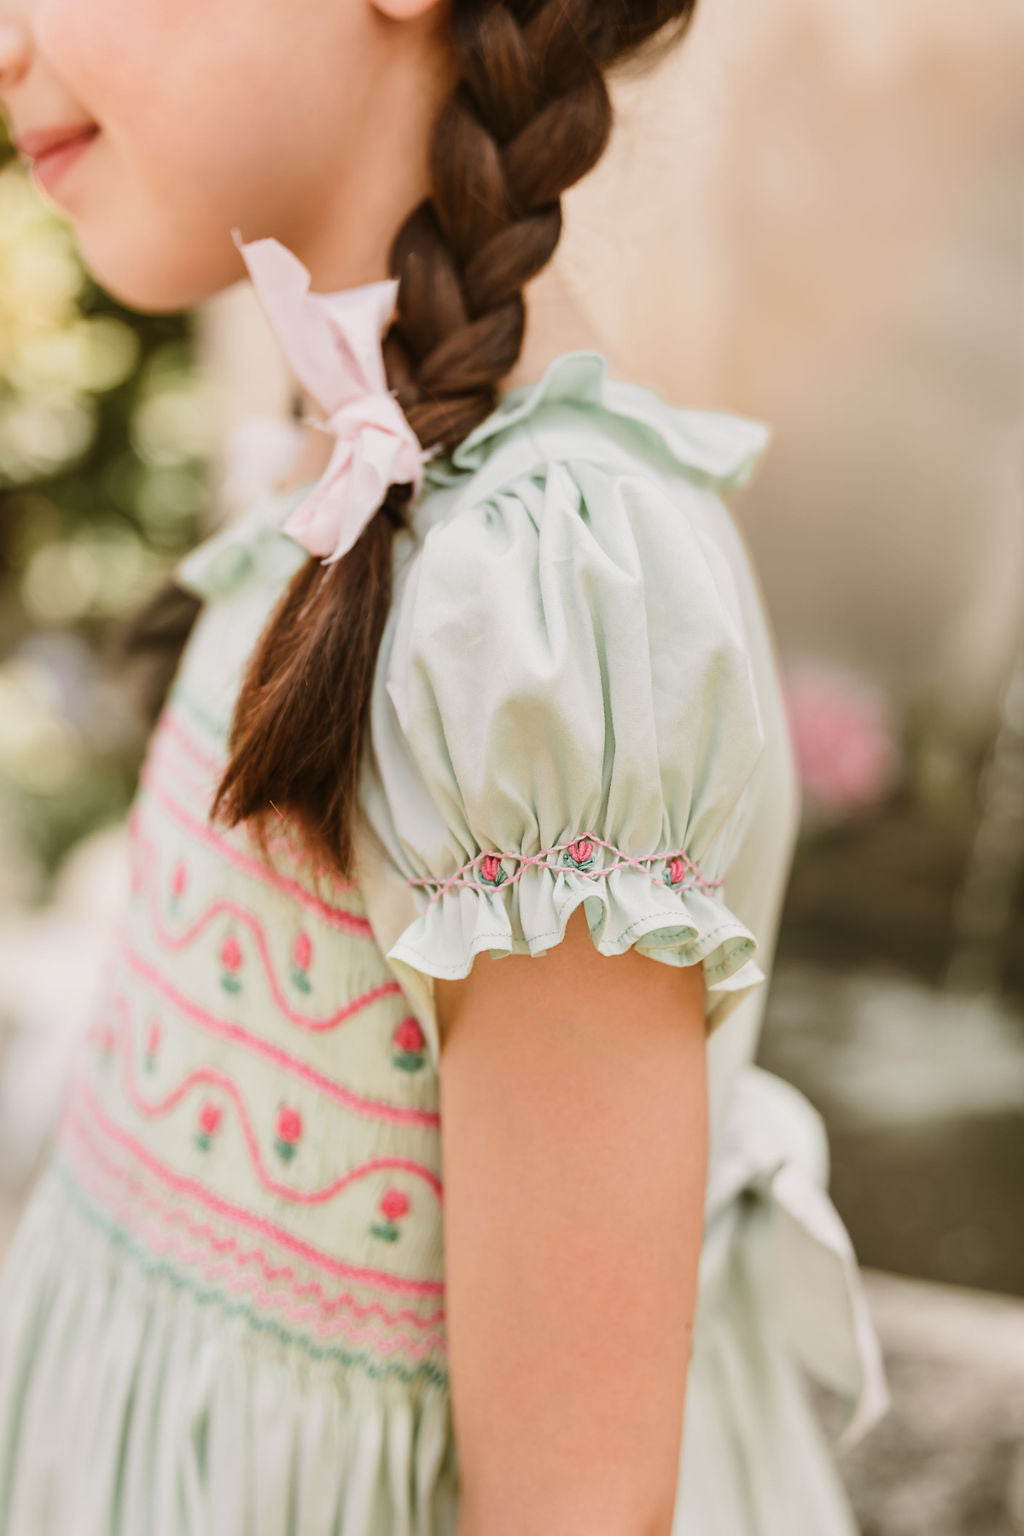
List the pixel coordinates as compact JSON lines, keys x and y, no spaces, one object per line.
{"x":86,"y":48}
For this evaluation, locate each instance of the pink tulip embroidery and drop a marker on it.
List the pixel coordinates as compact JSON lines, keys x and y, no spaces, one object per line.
{"x":580,"y":853}
{"x":152,"y":1045}
{"x":675,"y":871}
{"x":108,"y":1040}
{"x":491,"y":872}
{"x":393,"y":1206}
{"x":410,"y":1045}
{"x":179,"y":880}
{"x":302,"y":955}
{"x":231,"y":960}
{"x":209,"y":1122}
{"x":289,"y":1129}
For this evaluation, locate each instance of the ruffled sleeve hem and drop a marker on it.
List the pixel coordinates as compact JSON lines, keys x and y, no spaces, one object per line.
{"x":625,"y":908}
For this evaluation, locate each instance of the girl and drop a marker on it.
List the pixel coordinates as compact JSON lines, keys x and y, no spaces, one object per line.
{"x":489,"y":684}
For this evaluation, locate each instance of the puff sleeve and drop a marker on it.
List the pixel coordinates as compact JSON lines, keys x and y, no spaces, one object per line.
{"x":566,"y":713}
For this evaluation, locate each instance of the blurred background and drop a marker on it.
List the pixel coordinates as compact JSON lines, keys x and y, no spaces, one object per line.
{"x":825,"y":208}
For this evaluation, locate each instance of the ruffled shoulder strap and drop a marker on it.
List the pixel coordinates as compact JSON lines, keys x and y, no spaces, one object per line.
{"x":576,"y":409}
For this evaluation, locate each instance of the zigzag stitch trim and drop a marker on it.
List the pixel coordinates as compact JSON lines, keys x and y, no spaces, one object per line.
{"x":525,"y":860}
{"x":191,"y":1257}
{"x":225,"y":1208}
{"x":276,"y":1274}
{"x":429,"y":1372}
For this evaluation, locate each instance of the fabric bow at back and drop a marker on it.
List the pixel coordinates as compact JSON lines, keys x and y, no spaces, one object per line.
{"x":333,"y":344}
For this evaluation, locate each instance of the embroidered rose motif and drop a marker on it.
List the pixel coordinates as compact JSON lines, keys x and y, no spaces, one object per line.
{"x":410,"y":1045}
{"x":491,"y":872}
{"x":675,"y":872}
{"x":179,"y":880}
{"x":393,"y":1205}
{"x":289,"y":1129}
{"x":152,"y":1045}
{"x":581,"y":853}
{"x":231,"y":960}
{"x":209,"y":1123}
{"x":302,"y":955}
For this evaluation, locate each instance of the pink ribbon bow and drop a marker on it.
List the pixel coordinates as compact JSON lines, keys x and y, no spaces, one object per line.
{"x":333,"y":343}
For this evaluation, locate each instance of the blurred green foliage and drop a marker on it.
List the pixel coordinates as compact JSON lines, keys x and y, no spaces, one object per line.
{"x":104,"y":452}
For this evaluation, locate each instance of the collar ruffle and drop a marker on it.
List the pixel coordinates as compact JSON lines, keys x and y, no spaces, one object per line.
{"x":573,"y":395}
{"x":718,"y":447}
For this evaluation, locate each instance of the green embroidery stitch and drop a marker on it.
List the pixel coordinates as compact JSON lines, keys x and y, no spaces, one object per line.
{"x":206,"y":1295}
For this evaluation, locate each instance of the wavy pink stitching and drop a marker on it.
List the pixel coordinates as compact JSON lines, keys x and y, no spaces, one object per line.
{"x":238,"y":1213}
{"x":172,"y":726}
{"x":396,"y":1114}
{"x":337,"y":917}
{"x":236,"y":909}
{"x":209,"y":1238}
{"x":221,"y":1243}
{"x":195,"y":1255}
{"x":300,"y":1020}
{"x":526,"y":859}
{"x":154,"y":1110}
{"x":169,"y":734}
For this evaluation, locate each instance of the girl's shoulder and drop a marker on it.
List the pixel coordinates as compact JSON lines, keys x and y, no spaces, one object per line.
{"x":577,"y":414}
{"x":581,"y":498}
{"x":572,"y":702}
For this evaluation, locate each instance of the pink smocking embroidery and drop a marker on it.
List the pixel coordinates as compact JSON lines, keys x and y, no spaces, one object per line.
{"x":88,"y":1114}
{"x":224,"y":1248}
{"x":410,"y":1045}
{"x":226,"y":1029}
{"x":289,"y":1129}
{"x":393,"y":1206}
{"x":172,"y":729}
{"x":680,"y":872}
{"x":209,"y":1122}
{"x":153,"y":1038}
{"x":302,"y":959}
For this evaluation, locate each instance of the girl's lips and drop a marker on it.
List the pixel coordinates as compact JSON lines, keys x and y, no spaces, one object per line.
{"x":49,"y":165}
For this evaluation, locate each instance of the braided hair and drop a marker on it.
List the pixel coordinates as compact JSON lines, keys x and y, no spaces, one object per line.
{"x":529,"y":115}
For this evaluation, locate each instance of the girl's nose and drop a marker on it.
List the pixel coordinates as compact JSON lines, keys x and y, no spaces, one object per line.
{"x":14,"y":51}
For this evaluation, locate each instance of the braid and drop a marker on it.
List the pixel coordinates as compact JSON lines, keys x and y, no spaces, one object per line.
{"x":529,"y":116}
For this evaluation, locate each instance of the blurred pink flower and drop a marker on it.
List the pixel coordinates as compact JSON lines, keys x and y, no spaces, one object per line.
{"x":394,"y":1204}
{"x":302,"y":951}
{"x":409,"y":1036}
{"x":845,"y":739}
{"x":231,"y":953}
{"x":289,"y":1124}
{"x":209,"y":1117}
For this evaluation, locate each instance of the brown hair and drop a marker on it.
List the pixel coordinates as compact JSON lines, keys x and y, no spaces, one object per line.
{"x":529,"y":116}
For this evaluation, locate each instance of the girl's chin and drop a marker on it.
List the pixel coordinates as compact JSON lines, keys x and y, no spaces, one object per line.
{"x":137,"y":275}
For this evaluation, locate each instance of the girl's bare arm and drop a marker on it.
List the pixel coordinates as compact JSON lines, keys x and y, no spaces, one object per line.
{"x":574,"y":1146}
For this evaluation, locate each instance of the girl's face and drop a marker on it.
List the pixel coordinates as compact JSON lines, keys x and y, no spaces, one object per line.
{"x":308,"y":122}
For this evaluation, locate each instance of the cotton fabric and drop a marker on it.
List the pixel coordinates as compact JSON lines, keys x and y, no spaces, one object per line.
{"x":223,"y":1310}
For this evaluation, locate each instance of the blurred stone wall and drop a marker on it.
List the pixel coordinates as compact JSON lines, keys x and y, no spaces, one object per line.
{"x":826,"y":201}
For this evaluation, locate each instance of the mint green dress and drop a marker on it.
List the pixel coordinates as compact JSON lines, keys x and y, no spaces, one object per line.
{"x":223,"y":1311}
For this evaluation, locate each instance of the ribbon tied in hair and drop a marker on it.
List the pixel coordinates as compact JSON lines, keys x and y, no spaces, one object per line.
{"x":333,"y":344}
